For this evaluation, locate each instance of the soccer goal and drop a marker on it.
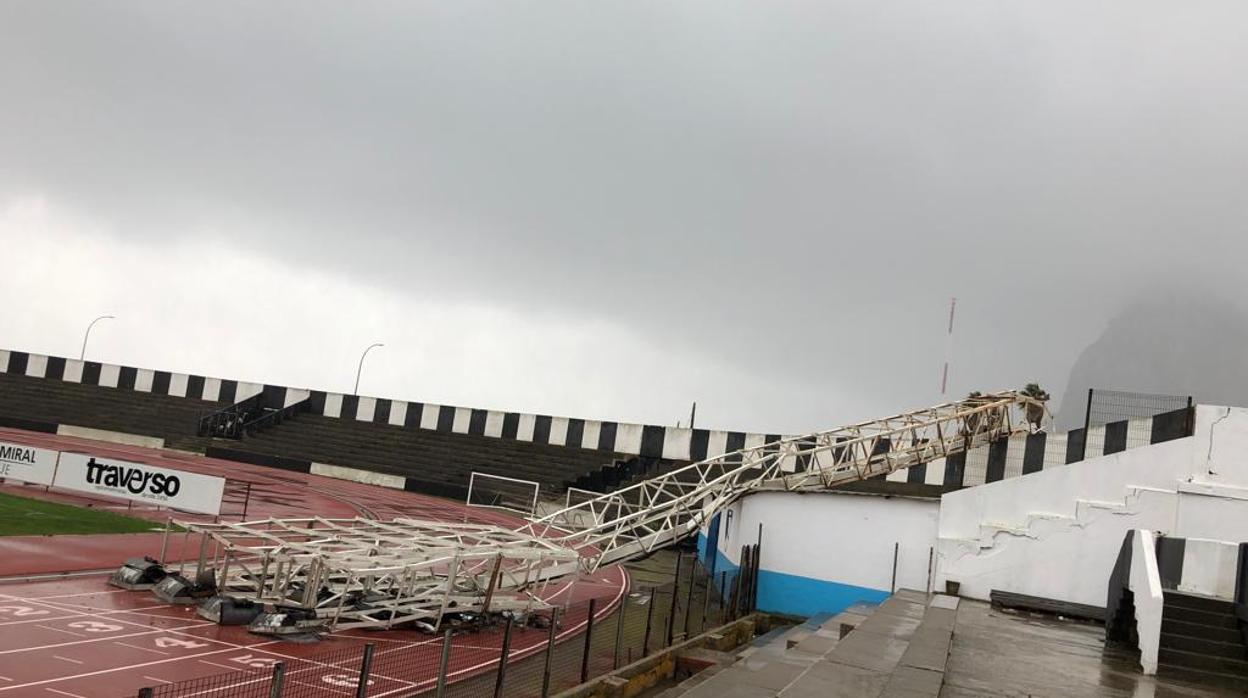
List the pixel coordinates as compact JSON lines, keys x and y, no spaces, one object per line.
{"x":507,"y":493}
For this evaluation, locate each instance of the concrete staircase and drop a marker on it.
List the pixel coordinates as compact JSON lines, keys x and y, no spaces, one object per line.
{"x":898,"y":649}
{"x":1201,"y":641}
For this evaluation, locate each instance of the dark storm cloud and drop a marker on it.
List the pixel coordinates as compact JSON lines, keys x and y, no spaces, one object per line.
{"x":793,"y":188}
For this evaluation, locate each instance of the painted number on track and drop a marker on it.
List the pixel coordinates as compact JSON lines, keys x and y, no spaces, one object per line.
{"x":167,"y":642}
{"x":343,"y":680}
{"x":92,"y":626}
{"x":255,"y":662}
{"x":22,"y":611}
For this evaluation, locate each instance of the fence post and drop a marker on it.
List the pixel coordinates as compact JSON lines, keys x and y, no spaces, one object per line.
{"x":892,"y":587}
{"x":246,"y":500}
{"x":723,"y":597}
{"x":1087,"y":424}
{"x":758,"y":567}
{"x":645,"y":643}
{"x":145,"y":693}
{"x":550,"y":651}
{"x":502,"y":658}
{"x":706,"y":596}
{"x":619,"y":634}
{"x":747,"y":580}
{"x":444,"y":663}
{"x":736,"y":592}
{"x":671,"y":612}
{"x":589,"y":638}
{"x":366,"y":667}
{"x":693,"y":573}
{"x":279,"y":678}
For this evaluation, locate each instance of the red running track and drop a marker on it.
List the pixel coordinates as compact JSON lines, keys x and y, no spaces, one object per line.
{"x":75,"y":636}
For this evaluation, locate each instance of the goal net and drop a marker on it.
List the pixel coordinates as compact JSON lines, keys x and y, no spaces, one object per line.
{"x":498,"y":492}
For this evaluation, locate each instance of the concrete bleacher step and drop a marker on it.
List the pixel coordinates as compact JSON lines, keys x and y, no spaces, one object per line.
{"x":112,"y":409}
{"x":439,"y":462}
{"x":898,"y":649}
{"x":422,"y":455}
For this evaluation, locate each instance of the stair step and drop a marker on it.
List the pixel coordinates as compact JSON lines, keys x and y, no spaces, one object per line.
{"x":1202,"y":645}
{"x":1187,"y":615}
{"x":1206,"y":678}
{"x":1180,"y":628}
{"x":1198,"y":602}
{"x":1202,"y":662}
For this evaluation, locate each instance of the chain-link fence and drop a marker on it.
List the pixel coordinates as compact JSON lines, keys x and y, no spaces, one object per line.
{"x":1109,"y":412}
{"x":524,"y":656}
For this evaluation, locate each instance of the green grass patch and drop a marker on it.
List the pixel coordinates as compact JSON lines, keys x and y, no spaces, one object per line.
{"x":22,"y":516}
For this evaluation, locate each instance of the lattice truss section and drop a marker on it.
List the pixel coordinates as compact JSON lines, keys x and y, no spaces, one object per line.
{"x":359,"y":572}
{"x":658,"y":511}
{"x":365,"y":573}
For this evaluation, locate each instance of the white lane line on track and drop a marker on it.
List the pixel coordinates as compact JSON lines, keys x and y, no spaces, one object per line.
{"x":173,"y":631}
{"x":145,"y":649}
{"x":322,"y":687}
{"x":85,"y":593}
{"x":37,"y":620}
{"x":112,"y":615}
{"x":88,"y":641}
{"x":124,"y":668}
{"x":87,"y":611}
{"x":5,"y":678}
{"x":222,"y":666}
{"x":67,"y":659}
{"x":60,"y":630}
{"x":54,"y":576}
{"x":43,"y":604}
{"x":65,"y":693}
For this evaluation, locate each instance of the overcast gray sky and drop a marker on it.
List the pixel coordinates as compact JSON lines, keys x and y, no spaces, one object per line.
{"x":613,"y":209}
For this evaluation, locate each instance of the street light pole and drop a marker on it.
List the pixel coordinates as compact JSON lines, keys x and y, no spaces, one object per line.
{"x":87,"y":335}
{"x":359,"y":370}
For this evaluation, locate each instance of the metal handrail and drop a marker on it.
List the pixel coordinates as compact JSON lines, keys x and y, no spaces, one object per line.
{"x":228,"y":421}
{"x":272,"y":418}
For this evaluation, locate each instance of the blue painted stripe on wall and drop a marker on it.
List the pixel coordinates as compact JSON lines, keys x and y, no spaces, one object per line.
{"x":803,"y":596}
{"x":793,"y":594}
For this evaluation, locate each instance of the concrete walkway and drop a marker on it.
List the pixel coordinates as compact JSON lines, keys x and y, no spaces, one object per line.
{"x":1003,"y":653}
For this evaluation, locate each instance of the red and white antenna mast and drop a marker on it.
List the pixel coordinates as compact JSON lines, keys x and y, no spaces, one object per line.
{"x":944,"y":374}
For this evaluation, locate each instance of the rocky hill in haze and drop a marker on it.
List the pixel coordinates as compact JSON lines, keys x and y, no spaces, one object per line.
{"x":1180,"y":344}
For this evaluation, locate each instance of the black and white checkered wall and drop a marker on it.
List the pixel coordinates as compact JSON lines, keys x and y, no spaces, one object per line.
{"x":615,"y":437}
{"x":1029,"y":453}
{"x":1016,"y":456}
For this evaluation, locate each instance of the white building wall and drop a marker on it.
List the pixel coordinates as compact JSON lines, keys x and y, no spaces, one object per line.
{"x":831,"y":540}
{"x":1056,"y":533}
{"x":1053,"y":533}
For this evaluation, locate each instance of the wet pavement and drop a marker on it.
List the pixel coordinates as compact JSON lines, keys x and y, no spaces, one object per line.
{"x":1003,"y":653}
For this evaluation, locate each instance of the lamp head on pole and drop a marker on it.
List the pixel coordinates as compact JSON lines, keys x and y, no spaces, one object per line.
{"x":83,"y":354}
{"x":360,"y":368}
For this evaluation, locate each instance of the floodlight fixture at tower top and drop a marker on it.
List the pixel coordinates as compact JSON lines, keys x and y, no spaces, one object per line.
{"x":366,"y":573}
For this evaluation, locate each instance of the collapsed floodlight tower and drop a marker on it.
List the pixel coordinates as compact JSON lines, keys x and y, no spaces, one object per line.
{"x":365,"y":573}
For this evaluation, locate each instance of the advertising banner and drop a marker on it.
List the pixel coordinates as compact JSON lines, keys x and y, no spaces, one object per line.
{"x":27,"y":463}
{"x":140,"y":482}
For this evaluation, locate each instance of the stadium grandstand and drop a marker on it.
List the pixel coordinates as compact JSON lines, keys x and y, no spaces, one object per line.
{"x":219,"y":537}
